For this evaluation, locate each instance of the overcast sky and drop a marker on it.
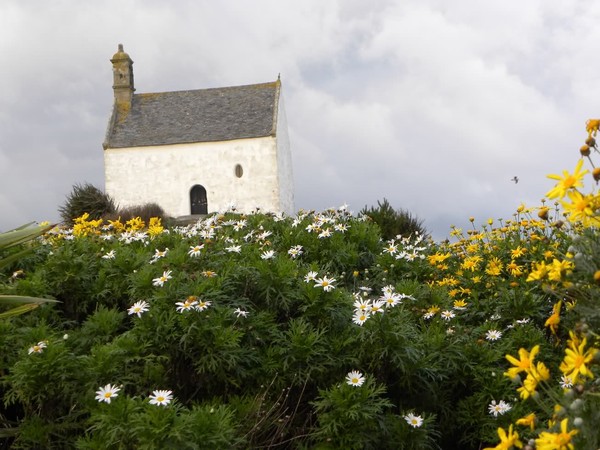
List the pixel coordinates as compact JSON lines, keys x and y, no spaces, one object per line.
{"x":434,"y":105}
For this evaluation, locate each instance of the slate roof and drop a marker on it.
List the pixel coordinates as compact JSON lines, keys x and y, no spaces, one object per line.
{"x":202,"y":115}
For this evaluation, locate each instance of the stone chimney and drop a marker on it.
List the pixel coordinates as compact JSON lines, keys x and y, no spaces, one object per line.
{"x":122,"y":78}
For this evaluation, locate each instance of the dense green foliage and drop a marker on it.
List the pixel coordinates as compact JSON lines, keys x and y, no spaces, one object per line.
{"x":255,"y":324}
{"x":392,"y":222}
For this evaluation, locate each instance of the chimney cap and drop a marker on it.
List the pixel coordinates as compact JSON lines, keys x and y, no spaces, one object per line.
{"x":120,"y":54}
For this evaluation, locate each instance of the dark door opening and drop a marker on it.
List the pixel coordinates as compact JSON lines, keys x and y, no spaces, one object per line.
{"x":198,"y":200}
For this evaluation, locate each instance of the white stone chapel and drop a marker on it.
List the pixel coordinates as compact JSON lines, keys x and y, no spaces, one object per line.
{"x":198,"y":151}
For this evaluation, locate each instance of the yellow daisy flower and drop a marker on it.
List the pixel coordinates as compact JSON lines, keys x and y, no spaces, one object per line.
{"x":567,"y":181}
{"x":576,"y":358}
{"x":508,"y":440}
{"x":524,"y":363}
{"x":556,"y":441}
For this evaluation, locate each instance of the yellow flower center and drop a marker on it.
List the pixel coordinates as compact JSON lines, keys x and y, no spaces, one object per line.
{"x":563,"y":439}
{"x":354,"y":380}
{"x":107,"y":394}
{"x":160,"y":399}
{"x":569,"y":182}
{"x":579,"y":361}
{"x":524,"y":364}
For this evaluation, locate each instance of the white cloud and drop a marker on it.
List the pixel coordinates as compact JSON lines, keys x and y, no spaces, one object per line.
{"x":433,"y":105}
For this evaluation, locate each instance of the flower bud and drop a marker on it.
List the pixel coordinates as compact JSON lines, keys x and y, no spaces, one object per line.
{"x":577,"y":404}
{"x":578,"y":421}
{"x":569,"y":394}
{"x":559,"y":411}
{"x":543,"y":213}
{"x":585,"y":150}
{"x":590,"y":141}
{"x":596,"y":174}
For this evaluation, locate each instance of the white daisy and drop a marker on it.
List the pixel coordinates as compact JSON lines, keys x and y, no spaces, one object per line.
{"x":391,"y":248}
{"x":362,"y":305}
{"x":376,"y":307}
{"x":295,"y":251}
{"x":499,"y":408}
{"x":107,"y":393}
{"x":341,"y":227}
{"x":234,"y":249}
{"x":325,"y":233}
{"x":159,"y":254}
{"x":493,"y":335}
{"x":160,"y":281}
{"x":447,"y":315}
{"x":310,"y":276}
{"x":240,"y":313}
{"x":355,"y":378}
{"x":161,"y":398}
{"x":566,"y":382}
{"x":390,"y":299}
{"x":202,"y":305}
{"x":38,"y":348}
{"x":268,"y":254}
{"x":138,"y":308}
{"x":325,"y":283}
{"x":360,"y":317}
{"x":187,"y":305}
{"x":109,"y":255}
{"x":195,"y":250}
{"x":265,"y":234}
{"x":413,"y":420}
{"x":240,"y":224}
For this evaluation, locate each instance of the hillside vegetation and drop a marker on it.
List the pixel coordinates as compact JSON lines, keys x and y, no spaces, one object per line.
{"x":310,"y":331}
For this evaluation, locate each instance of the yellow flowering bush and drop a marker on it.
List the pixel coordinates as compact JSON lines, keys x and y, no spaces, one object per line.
{"x":572,"y":412}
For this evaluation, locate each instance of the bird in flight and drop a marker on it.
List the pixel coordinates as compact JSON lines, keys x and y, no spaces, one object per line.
{"x":515,"y":179}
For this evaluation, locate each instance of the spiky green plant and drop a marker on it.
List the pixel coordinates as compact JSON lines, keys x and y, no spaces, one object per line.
{"x":86,"y":198}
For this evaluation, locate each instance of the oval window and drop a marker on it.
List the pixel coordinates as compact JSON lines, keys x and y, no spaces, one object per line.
{"x":239,"y":171}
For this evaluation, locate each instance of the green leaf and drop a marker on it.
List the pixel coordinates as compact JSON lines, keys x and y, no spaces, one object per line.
{"x":19,"y":299}
{"x":18,"y":310}
{"x":22,"y":234}
{"x":25,"y":304}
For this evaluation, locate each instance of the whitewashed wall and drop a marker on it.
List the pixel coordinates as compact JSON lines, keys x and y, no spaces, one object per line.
{"x":284,"y":161}
{"x":165,"y":174}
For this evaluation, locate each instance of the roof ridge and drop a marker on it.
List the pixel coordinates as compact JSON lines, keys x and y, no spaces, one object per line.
{"x":266,"y":84}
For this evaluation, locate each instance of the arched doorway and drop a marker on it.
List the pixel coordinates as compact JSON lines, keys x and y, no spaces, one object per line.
{"x":198,"y":202}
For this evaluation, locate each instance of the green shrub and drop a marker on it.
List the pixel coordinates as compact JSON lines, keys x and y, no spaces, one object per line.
{"x":253,"y":322}
{"x":86,"y":198}
{"x":144,"y":212}
{"x":392,"y":222}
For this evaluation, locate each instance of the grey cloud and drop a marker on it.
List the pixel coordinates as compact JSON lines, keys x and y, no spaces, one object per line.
{"x":433,"y":105}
